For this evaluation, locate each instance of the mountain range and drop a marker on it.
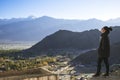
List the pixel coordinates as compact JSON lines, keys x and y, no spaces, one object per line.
{"x":35,"y":29}
{"x":90,"y":58}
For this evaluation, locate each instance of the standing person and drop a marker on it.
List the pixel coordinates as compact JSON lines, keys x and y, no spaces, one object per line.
{"x":103,"y":51}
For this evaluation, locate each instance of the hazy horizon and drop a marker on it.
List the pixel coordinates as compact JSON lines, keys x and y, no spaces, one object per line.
{"x":34,"y":17}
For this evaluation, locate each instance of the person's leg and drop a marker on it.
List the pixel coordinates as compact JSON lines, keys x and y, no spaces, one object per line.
{"x":98,"y":67}
{"x":107,"y":66}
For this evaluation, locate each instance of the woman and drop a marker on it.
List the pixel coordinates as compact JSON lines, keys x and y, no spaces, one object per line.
{"x":103,"y":51}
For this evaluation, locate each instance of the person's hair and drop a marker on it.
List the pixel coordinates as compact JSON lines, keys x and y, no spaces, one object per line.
{"x":108,"y":29}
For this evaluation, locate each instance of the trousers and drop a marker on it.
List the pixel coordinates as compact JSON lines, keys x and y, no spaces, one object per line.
{"x":100,"y":60}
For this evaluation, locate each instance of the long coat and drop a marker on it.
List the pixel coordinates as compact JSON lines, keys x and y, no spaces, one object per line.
{"x":104,"y":46}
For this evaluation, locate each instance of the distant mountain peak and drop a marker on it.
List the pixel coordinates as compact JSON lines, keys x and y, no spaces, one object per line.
{"x":94,"y":19}
{"x":46,"y":17}
{"x":31,"y":17}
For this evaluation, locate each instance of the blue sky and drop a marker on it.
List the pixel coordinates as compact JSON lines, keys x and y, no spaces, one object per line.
{"x":67,"y":9}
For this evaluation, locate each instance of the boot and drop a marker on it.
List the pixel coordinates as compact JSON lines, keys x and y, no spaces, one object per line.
{"x":96,"y":75}
{"x":106,"y":74}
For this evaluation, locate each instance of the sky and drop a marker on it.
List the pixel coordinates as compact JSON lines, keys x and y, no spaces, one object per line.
{"x":63,"y":9}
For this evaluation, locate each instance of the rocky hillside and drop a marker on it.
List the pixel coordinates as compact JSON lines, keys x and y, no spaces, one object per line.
{"x":67,"y":41}
{"x":90,"y":58}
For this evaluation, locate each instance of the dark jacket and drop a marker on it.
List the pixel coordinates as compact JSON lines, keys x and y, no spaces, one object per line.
{"x":104,"y":47}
